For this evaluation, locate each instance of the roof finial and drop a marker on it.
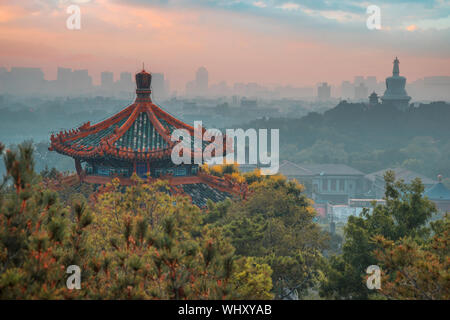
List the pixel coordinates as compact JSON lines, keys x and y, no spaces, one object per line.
{"x":396,"y":69}
{"x":143,"y":67}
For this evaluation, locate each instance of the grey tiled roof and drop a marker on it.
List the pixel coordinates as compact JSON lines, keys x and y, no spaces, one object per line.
{"x":293,"y":169}
{"x":201,"y":192}
{"x":438,"y":192}
{"x":401,"y":173}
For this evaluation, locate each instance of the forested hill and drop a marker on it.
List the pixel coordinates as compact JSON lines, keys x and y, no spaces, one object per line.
{"x":369,"y":138}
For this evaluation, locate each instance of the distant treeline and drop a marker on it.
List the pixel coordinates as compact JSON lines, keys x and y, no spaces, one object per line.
{"x":366,"y":138}
{"x":369,"y":138}
{"x":22,"y":119}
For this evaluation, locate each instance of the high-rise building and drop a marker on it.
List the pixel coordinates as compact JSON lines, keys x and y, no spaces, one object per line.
{"x":202,"y":80}
{"x":361,"y":92}
{"x":347,"y":90}
{"x":63,"y":80}
{"x":107,"y":79}
{"x":324,"y":92}
{"x":358,"y":80}
{"x":125,"y":82}
{"x":30,"y":78}
{"x":191,"y":88}
{"x":3,"y":71}
{"x":158,"y":86}
{"x":4,"y":80}
{"x":81,"y":81}
{"x":167,"y":87}
{"x":371,"y":83}
{"x":64,"y":75}
{"x":125,"y":77}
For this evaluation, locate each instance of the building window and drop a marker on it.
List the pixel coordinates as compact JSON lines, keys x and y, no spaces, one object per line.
{"x":180,"y":171}
{"x":103,"y":171}
{"x":359,"y":185}
{"x":325,"y":184}
{"x":341,"y":185}
{"x":333,"y":184}
{"x":89,"y":169}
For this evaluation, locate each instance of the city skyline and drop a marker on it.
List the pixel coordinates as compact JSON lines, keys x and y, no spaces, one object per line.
{"x":75,"y":82}
{"x":285,"y":42}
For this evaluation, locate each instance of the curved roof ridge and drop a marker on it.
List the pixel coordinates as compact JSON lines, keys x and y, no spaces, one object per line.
{"x":295,"y":165}
{"x":88,"y":130}
{"x":300,"y":167}
{"x":171,"y":119}
{"x":438,"y":192}
{"x":116,"y":116}
{"x":158,"y":125}
{"x":126,"y":125}
{"x":103,"y":138}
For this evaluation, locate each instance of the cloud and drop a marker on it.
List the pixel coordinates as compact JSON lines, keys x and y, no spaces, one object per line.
{"x":260,"y":4}
{"x":436,"y":24}
{"x":412,"y":27}
{"x":290,"y":6}
{"x":238,"y":40}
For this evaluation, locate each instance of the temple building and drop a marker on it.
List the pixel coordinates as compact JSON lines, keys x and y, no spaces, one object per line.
{"x":440,"y":195}
{"x":138,"y":140}
{"x":373,"y":99}
{"x":395,"y":93}
{"x":327,"y":183}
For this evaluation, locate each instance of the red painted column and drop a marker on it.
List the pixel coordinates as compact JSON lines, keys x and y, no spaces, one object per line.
{"x":79,"y":169}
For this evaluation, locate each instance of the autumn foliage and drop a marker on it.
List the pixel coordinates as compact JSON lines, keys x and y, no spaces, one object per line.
{"x":137,"y":243}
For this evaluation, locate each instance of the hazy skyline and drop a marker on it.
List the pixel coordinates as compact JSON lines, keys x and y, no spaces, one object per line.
{"x":295,"y":43}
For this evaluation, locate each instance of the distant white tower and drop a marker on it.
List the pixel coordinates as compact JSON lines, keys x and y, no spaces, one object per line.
{"x":395,"y":93}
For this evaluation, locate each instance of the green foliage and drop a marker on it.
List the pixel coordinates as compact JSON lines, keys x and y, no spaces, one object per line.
{"x":274,"y":225}
{"x":37,"y":236}
{"x":140,"y":242}
{"x":417,"y":139}
{"x":416,"y":270}
{"x":137,"y":243}
{"x":405,"y":215}
{"x":253,"y":279}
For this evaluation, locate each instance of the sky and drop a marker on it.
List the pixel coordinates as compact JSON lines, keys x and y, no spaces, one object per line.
{"x":286,"y":42}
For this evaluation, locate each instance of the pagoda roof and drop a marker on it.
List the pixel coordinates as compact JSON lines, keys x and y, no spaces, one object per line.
{"x":141,"y":131}
{"x":438,"y":192}
{"x":293,"y":169}
{"x":401,"y":174}
{"x":199,"y":188}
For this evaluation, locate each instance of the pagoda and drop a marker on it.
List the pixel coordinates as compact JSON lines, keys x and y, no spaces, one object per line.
{"x":137,"y":141}
{"x":440,"y":195}
{"x":395,"y":93}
